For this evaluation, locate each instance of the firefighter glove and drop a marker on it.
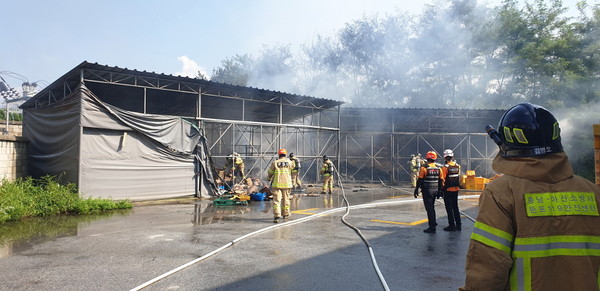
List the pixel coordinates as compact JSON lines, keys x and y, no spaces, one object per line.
{"x":440,"y":194}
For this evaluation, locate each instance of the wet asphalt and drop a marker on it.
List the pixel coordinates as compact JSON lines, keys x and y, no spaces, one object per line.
{"x":189,"y":244}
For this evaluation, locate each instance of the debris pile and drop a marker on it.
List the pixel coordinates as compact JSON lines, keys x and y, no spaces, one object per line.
{"x":240,"y":193}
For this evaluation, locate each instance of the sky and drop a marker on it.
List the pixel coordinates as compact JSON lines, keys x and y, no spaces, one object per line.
{"x":43,"y":39}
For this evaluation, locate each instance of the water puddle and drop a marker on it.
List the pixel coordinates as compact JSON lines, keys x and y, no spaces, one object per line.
{"x":19,"y":236}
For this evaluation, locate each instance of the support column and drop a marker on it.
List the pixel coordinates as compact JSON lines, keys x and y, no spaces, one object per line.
{"x":597,"y":152}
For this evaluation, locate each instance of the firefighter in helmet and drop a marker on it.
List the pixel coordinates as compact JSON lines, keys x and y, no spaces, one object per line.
{"x":327,"y":172}
{"x":280,"y":175}
{"x":414,"y":165}
{"x":296,"y":172}
{"x":430,"y":181}
{"x":451,"y":174}
{"x":235,"y":164}
{"x":537,"y":226}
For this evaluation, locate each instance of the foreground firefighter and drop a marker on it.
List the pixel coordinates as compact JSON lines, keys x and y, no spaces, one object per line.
{"x":280,"y":175}
{"x":538,"y":224}
{"x":430,"y":181}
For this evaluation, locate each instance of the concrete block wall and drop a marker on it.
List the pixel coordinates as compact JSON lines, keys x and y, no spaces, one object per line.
{"x":13,"y":157}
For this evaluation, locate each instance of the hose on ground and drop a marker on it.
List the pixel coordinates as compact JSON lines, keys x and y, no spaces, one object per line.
{"x":364,"y":239}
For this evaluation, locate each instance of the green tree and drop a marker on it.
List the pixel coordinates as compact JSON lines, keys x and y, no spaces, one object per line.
{"x":236,"y":70}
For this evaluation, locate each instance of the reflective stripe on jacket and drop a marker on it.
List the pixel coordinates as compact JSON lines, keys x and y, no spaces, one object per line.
{"x":280,"y":173}
{"x":537,"y":229}
{"x":431,"y":175}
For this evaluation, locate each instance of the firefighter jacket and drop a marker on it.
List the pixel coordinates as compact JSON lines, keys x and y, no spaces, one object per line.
{"x":296,"y":164}
{"x":280,"y":173}
{"x":537,"y":228}
{"x":414,"y":164}
{"x":327,"y":168}
{"x":451,"y":176}
{"x":237,"y":160}
{"x":233,"y":160}
{"x":431,"y":177}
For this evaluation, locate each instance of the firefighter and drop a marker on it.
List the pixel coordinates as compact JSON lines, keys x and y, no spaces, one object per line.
{"x":414,"y":165}
{"x":420,"y":160}
{"x":296,"y":172}
{"x":235,"y":163}
{"x":239,"y":165}
{"x":327,"y":172}
{"x":280,"y":175}
{"x":430,"y":182}
{"x":451,"y":174}
{"x":537,"y":227}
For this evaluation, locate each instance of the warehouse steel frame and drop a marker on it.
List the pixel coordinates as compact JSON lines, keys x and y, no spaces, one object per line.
{"x":253,"y":122}
{"x":377,"y":144}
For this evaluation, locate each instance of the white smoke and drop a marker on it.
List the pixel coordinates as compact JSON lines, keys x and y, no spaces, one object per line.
{"x":189,"y":68}
{"x":578,"y":121}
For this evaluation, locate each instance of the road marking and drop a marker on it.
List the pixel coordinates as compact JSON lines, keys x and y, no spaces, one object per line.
{"x":305,"y":211}
{"x":403,"y":223}
{"x":471,"y":199}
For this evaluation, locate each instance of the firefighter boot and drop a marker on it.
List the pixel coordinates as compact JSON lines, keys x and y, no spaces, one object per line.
{"x":429,"y":230}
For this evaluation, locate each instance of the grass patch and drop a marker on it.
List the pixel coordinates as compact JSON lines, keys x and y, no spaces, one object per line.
{"x":28,"y":197}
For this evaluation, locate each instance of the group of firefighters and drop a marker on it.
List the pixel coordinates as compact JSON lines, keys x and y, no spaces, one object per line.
{"x":438,"y":181}
{"x":284,"y":176}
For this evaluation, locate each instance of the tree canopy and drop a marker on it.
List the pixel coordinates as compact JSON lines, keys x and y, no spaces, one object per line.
{"x":455,"y":54}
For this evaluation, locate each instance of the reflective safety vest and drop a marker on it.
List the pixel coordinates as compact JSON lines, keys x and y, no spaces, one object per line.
{"x":280,"y":173}
{"x":431,"y":180}
{"x":452,"y":176}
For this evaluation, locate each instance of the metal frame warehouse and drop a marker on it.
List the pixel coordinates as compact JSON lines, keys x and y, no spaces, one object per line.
{"x":124,"y":133}
{"x":377,"y":143}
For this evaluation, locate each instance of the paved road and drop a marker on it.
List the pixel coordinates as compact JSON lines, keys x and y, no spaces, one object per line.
{"x":125,"y":250}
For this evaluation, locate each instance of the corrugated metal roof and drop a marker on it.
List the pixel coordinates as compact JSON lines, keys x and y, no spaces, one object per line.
{"x":246,"y":92}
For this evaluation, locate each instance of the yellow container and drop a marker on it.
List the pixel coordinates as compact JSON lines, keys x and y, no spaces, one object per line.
{"x":462,"y":182}
{"x":471,"y":173}
{"x":480,"y":183}
{"x":470,"y":183}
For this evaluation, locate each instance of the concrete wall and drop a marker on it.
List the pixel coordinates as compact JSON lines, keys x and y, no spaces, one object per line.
{"x":13,"y":157}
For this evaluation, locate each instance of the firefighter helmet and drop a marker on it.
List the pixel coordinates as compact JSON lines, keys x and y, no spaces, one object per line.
{"x":282,"y":152}
{"x":528,"y":130}
{"x":431,"y":155}
{"x":448,"y":153}
{"x":291,"y":155}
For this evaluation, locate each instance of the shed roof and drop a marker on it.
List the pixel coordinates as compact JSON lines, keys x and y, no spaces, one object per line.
{"x":220,"y":94}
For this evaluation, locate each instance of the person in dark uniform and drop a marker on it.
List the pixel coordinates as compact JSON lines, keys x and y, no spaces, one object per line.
{"x":430,"y":182}
{"x":451,"y":174}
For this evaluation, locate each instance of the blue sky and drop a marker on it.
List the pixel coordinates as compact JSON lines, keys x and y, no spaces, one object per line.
{"x":43,"y":39}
